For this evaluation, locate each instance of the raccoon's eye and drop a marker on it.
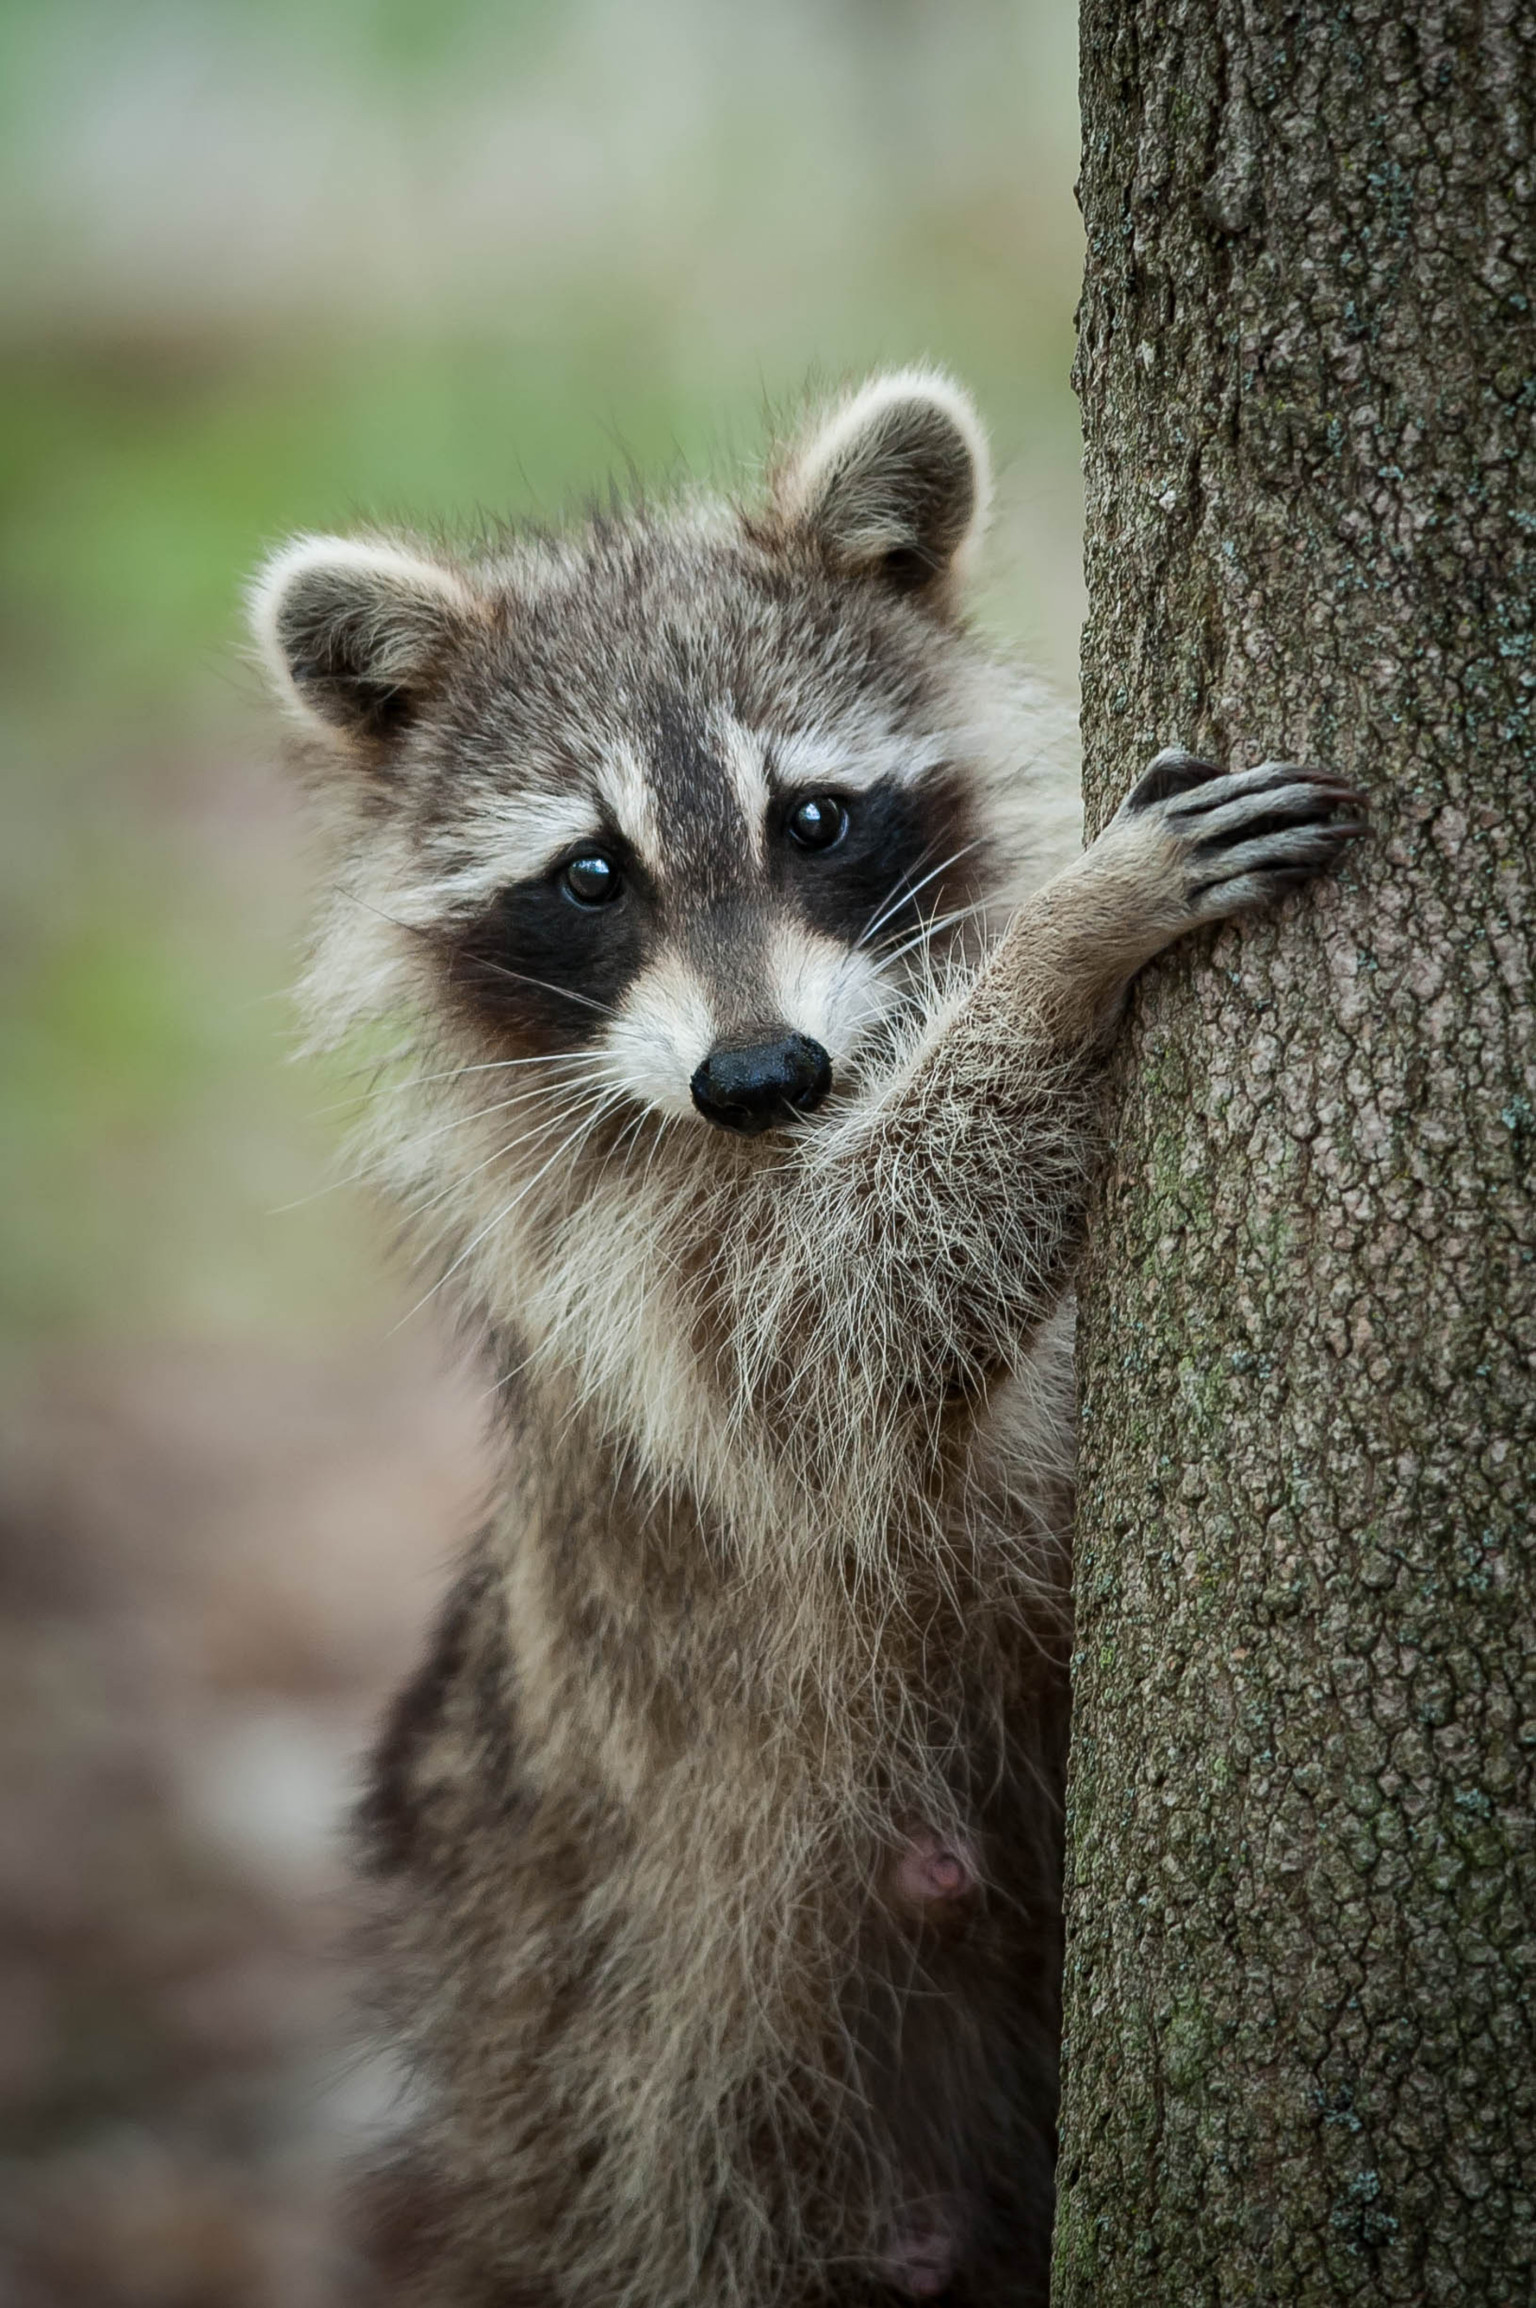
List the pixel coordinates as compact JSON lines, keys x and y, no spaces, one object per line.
{"x":817,"y":822}
{"x":591,"y":880}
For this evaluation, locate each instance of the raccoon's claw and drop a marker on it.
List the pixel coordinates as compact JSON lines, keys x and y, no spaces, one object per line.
{"x":1245,"y":836}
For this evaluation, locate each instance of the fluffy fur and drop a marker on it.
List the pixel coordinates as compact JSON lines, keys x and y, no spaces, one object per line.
{"x":718,"y":1837}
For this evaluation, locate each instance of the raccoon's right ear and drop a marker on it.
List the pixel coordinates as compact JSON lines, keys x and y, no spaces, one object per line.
{"x":894,"y":484}
{"x":357,"y":632}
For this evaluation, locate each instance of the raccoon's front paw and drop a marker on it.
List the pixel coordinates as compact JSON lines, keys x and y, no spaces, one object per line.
{"x":1244,"y":837}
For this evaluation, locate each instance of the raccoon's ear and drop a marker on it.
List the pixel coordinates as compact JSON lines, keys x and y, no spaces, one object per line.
{"x":356,"y":632}
{"x":894,"y":484}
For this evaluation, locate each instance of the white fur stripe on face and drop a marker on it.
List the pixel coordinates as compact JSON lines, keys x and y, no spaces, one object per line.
{"x":852,"y":759}
{"x":515,"y":837}
{"x":825,"y":989}
{"x":664,"y":1031}
{"x":625,"y":789}
{"x":666,"y":1024}
{"x":743,"y":754}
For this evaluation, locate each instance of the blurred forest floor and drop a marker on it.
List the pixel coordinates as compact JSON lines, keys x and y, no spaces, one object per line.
{"x":269,"y":266}
{"x":216,"y":1561}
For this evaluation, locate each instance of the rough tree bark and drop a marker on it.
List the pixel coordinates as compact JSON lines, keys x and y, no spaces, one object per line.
{"x":1301,"y":1908}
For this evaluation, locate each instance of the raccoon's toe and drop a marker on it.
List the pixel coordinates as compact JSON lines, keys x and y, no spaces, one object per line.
{"x":1245,"y":837}
{"x":1173,"y":772}
{"x":1251,"y":836}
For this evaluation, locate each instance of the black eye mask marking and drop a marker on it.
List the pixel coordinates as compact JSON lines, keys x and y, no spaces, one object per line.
{"x":546,"y":966}
{"x":547,"y":962}
{"x":894,"y":836}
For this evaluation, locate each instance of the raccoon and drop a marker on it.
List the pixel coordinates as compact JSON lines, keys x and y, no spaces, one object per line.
{"x":748,"y":999}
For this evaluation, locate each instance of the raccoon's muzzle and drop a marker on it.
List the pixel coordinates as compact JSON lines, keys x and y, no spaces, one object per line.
{"x":751,"y":1089}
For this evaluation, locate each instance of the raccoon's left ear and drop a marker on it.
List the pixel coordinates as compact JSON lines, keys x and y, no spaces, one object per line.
{"x":894,"y":484}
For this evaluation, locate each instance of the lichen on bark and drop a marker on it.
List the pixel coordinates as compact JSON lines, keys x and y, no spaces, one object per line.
{"x":1302,"y":1913}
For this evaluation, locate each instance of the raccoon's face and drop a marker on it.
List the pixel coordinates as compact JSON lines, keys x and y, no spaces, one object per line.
{"x":686,"y":799}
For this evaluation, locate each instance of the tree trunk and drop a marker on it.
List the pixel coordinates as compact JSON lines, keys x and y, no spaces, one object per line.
{"x":1302,"y":1918}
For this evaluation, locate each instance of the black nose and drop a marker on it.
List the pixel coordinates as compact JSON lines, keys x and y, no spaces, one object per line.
{"x":749,"y":1090}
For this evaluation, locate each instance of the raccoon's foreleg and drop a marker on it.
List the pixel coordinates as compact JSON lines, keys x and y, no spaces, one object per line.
{"x":907,"y":1259}
{"x":1188,"y":845}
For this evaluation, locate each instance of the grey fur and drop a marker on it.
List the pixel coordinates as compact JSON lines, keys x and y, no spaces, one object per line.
{"x":717,"y":1843}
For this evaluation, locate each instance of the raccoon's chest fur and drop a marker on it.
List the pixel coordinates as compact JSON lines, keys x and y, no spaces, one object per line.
{"x":745,"y":1868}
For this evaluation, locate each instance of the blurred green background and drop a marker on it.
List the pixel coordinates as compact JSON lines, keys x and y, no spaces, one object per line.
{"x":278,"y":263}
{"x":270,"y":264}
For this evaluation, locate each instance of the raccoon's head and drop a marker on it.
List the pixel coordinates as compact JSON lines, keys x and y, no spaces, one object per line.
{"x":683,"y":798}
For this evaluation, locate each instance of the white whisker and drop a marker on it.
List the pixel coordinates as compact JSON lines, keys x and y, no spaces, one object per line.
{"x":548,"y":986}
{"x":902,"y":897}
{"x":931,"y":929}
{"x":445,"y":1074}
{"x":479,"y":1113}
{"x":576,"y":1137}
{"x":554,"y":1121}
